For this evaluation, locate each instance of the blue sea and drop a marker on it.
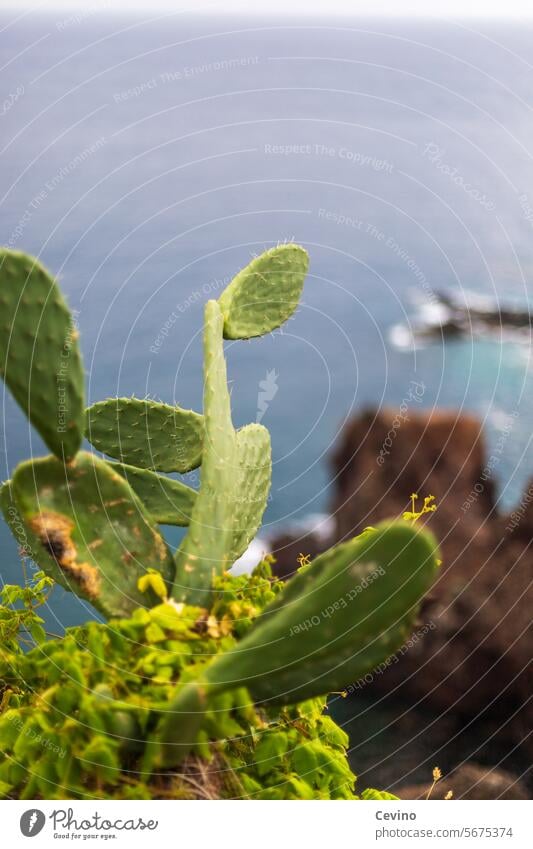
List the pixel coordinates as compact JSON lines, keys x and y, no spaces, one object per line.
{"x":146,"y":160}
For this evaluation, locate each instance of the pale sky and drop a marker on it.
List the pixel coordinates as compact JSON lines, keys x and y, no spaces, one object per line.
{"x":426,"y":8}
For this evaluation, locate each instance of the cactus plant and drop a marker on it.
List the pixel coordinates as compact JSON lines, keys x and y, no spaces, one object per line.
{"x":40,"y":359}
{"x":91,"y":524}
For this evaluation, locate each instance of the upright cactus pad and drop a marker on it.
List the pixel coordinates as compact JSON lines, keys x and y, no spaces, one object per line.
{"x":40,"y":359}
{"x":253,"y":472}
{"x":206,"y":550}
{"x":168,"y":501}
{"x":146,"y":434}
{"x":344,"y":615}
{"x":265,"y":293}
{"x":89,"y":531}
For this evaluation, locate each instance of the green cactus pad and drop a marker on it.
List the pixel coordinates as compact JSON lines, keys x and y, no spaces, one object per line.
{"x":146,"y":434}
{"x":88,"y":530}
{"x":265,"y":293}
{"x":40,"y":359}
{"x":206,"y":550}
{"x":345,"y":614}
{"x":168,"y":501}
{"x":251,"y":485}
{"x":348,"y":612}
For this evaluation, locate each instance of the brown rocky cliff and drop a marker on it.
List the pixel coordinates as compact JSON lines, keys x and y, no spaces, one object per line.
{"x":477,"y":658}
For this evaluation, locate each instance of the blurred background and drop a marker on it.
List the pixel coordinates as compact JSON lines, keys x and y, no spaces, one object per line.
{"x":146,"y":157}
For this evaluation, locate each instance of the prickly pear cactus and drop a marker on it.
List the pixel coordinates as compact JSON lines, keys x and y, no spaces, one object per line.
{"x":264,"y":294}
{"x":146,"y":433}
{"x":168,"y":501}
{"x":88,"y":530}
{"x":92,"y":526}
{"x":40,"y":359}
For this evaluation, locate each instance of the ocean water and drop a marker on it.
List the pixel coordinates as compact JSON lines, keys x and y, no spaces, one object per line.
{"x":147,"y":160}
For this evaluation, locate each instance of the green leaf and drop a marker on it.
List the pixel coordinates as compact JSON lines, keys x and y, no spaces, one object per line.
{"x":5,"y":789}
{"x":378,"y":795}
{"x":300,"y":788}
{"x":333,"y":734}
{"x":269,"y":751}
{"x":37,"y":632}
{"x":100,"y":757}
